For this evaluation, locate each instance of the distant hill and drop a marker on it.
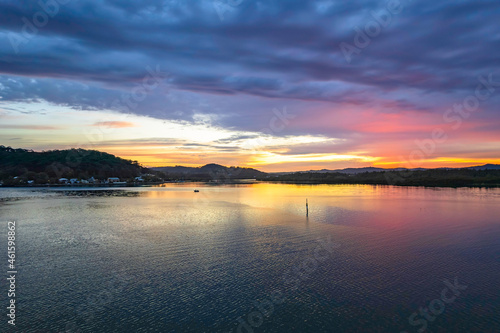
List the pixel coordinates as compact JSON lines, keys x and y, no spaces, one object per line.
{"x":366,"y":175}
{"x":373,"y":169}
{"x":485,"y":167}
{"x":357,"y":170}
{"x":17,"y":166}
{"x":210,"y":172}
{"x":472,"y":176}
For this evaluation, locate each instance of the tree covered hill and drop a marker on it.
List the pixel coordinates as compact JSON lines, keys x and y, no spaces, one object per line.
{"x":48,"y":166}
{"x":210,"y":172}
{"x":428,"y":177}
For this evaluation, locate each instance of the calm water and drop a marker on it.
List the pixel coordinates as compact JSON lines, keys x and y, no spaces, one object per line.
{"x":166,"y":259}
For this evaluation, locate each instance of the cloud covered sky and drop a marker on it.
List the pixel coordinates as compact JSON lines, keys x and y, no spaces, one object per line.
{"x":275,"y":84}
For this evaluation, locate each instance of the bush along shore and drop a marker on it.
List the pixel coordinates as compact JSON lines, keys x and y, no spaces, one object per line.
{"x":431,"y":177}
{"x":72,"y":167}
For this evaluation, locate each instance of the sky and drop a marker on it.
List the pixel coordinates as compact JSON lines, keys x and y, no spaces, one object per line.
{"x":275,"y":85}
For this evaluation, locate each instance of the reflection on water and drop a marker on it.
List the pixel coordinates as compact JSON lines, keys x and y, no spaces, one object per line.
{"x":167,"y":259}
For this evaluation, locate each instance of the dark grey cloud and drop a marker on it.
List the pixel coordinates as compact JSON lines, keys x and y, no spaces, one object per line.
{"x":239,"y":62}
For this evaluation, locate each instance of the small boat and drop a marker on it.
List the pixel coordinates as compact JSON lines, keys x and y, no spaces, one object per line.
{"x":196,"y":191}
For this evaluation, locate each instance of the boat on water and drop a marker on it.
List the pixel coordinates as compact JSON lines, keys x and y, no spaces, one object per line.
{"x":196,"y":191}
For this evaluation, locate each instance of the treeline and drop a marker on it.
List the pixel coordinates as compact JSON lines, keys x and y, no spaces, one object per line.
{"x":431,"y":177}
{"x":18,"y":166}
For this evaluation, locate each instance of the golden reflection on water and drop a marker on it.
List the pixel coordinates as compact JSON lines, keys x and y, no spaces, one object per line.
{"x":354,"y":205}
{"x":229,"y":245}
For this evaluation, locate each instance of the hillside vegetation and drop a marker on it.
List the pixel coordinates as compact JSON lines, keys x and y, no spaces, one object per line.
{"x":431,"y":177}
{"x":18,"y":166}
{"x":210,"y":172}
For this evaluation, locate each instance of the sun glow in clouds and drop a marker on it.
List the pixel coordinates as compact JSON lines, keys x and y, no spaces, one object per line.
{"x":272,"y":158}
{"x":194,"y":87}
{"x":153,"y":142}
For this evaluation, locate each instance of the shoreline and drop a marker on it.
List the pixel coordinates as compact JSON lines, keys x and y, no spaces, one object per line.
{"x":381,"y":184}
{"x":246,"y":181}
{"x":84,"y":185}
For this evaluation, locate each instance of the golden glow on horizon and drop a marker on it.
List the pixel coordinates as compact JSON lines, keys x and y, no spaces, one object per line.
{"x":155,"y":142}
{"x":267,"y":158}
{"x":441,"y":162}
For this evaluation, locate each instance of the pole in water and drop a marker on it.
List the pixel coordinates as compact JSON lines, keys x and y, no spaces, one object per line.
{"x":307,"y":208}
